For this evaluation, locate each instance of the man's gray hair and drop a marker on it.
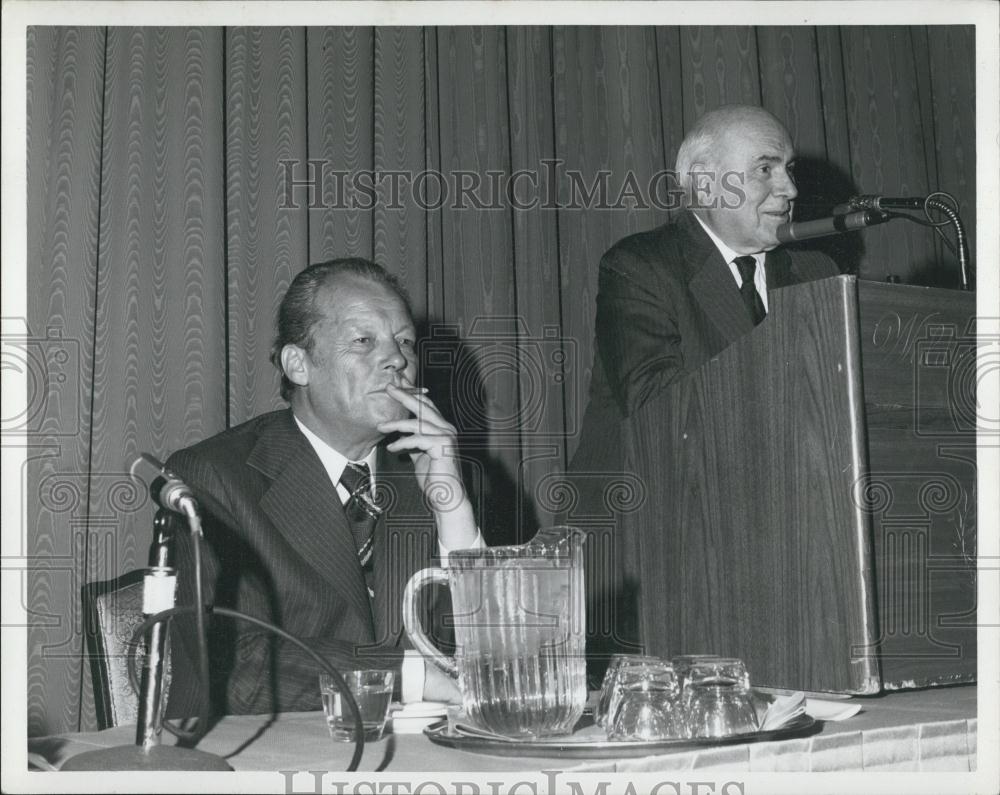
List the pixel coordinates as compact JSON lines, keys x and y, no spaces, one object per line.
{"x":704,"y":140}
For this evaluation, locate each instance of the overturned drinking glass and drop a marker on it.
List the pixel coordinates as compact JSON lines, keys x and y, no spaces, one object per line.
{"x":682,"y":665}
{"x":717,"y":699}
{"x":611,"y":688}
{"x":648,"y":706}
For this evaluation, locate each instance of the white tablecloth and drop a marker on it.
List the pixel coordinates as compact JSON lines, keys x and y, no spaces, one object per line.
{"x":924,"y":730}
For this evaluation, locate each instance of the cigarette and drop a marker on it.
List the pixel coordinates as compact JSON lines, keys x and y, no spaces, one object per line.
{"x":413,"y":390}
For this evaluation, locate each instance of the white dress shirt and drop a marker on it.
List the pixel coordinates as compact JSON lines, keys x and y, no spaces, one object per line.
{"x":414,"y":671}
{"x":759,"y":275}
{"x":335,"y":462}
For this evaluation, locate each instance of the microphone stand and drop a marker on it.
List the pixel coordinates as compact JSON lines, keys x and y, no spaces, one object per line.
{"x":935,"y":201}
{"x":159,"y":585}
{"x":961,"y":241}
{"x":159,"y":574}
{"x":147,"y":753}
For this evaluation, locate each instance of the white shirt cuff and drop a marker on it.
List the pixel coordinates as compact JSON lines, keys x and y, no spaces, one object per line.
{"x":413,"y":674}
{"x":477,"y":544}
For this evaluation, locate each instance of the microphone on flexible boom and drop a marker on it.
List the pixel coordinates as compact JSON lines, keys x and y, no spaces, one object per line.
{"x":804,"y":230}
{"x":166,"y":488}
{"x":159,"y":588}
{"x":870,"y":201}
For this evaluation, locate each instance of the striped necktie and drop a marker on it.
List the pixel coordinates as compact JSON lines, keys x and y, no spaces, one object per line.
{"x":362,"y":512}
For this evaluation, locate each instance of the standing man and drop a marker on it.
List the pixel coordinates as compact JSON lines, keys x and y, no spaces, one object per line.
{"x":313,"y":520}
{"x":672,"y":298}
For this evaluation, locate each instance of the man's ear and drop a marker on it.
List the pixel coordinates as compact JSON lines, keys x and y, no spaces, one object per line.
{"x":703,"y":185}
{"x":295,"y":364}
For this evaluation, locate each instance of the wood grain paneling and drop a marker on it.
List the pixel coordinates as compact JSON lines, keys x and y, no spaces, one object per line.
{"x":829,"y":545}
{"x":924,"y":537}
{"x":474,"y":137}
{"x":477,"y":259}
{"x":159,"y":328}
{"x":925,"y":100}
{"x":54,"y":346}
{"x":400,"y":148}
{"x":919,"y":346}
{"x":339,"y":104}
{"x":790,"y":85}
{"x":196,"y":224}
{"x":671,"y":67}
{"x":432,"y":162}
{"x":887,"y":142}
{"x":267,"y":241}
{"x":830,"y":60}
{"x":160,"y":241}
{"x":548,"y":359}
{"x":720,"y":67}
{"x":953,"y":101}
{"x":919,"y":351}
{"x":603,"y":78}
{"x":579,"y":103}
{"x":749,"y":542}
{"x":791,"y":88}
{"x":827,"y":181}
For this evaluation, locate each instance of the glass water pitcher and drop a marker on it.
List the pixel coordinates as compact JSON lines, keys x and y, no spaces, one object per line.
{"x":519,"y":632}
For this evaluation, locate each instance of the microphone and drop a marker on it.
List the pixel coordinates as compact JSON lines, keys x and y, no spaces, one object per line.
{"x":804,"y":230}
{"x":147,"y":754}
{"x":872,"y":202}
{"x":166,"y":488}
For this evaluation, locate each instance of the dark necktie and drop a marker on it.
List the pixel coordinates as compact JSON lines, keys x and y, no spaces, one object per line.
{"x":755,"y":306}
{"x":362,"y":513}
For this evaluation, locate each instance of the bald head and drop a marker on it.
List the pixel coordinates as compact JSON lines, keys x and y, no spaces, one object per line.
{"x":712,"y":133}
{"x":736,"y":167}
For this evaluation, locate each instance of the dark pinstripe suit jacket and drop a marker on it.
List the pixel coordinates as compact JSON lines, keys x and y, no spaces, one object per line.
{"x":667,"y":302}
{"x":279,"y":548}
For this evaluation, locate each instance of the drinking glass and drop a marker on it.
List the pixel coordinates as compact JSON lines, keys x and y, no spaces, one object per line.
{"x":648,"y":707}
{"x":717,"y":699}
{"x":611,"y":686}
{"x":682,"y":665}
{"x":372,"y":690}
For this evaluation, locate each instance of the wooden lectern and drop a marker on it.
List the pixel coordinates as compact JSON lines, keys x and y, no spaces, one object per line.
{"x":811,"y":494}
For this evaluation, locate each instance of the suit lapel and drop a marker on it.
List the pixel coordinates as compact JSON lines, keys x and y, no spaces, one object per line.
{"x":711,"y":282}
{"x":778,"y":267}
{"x":303,"y":504}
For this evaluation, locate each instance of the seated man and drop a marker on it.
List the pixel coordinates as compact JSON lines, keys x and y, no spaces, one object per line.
{"x":297,"y":533}
{"x":672,"y":298}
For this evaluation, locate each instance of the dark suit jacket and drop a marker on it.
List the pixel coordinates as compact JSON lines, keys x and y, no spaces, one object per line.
{"x":667,"y":302}
{"x":279,"y":548}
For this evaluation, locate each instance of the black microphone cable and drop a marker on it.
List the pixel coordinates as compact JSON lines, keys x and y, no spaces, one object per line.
{"x":199,"y":609}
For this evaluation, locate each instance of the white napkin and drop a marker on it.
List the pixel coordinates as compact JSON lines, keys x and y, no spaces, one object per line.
{"x":414,"y":717}
{"x":784,"y":709}
{"x":831,"y":710}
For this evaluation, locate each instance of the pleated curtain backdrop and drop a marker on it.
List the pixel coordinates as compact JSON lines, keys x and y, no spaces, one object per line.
{"x":163,"y":230}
